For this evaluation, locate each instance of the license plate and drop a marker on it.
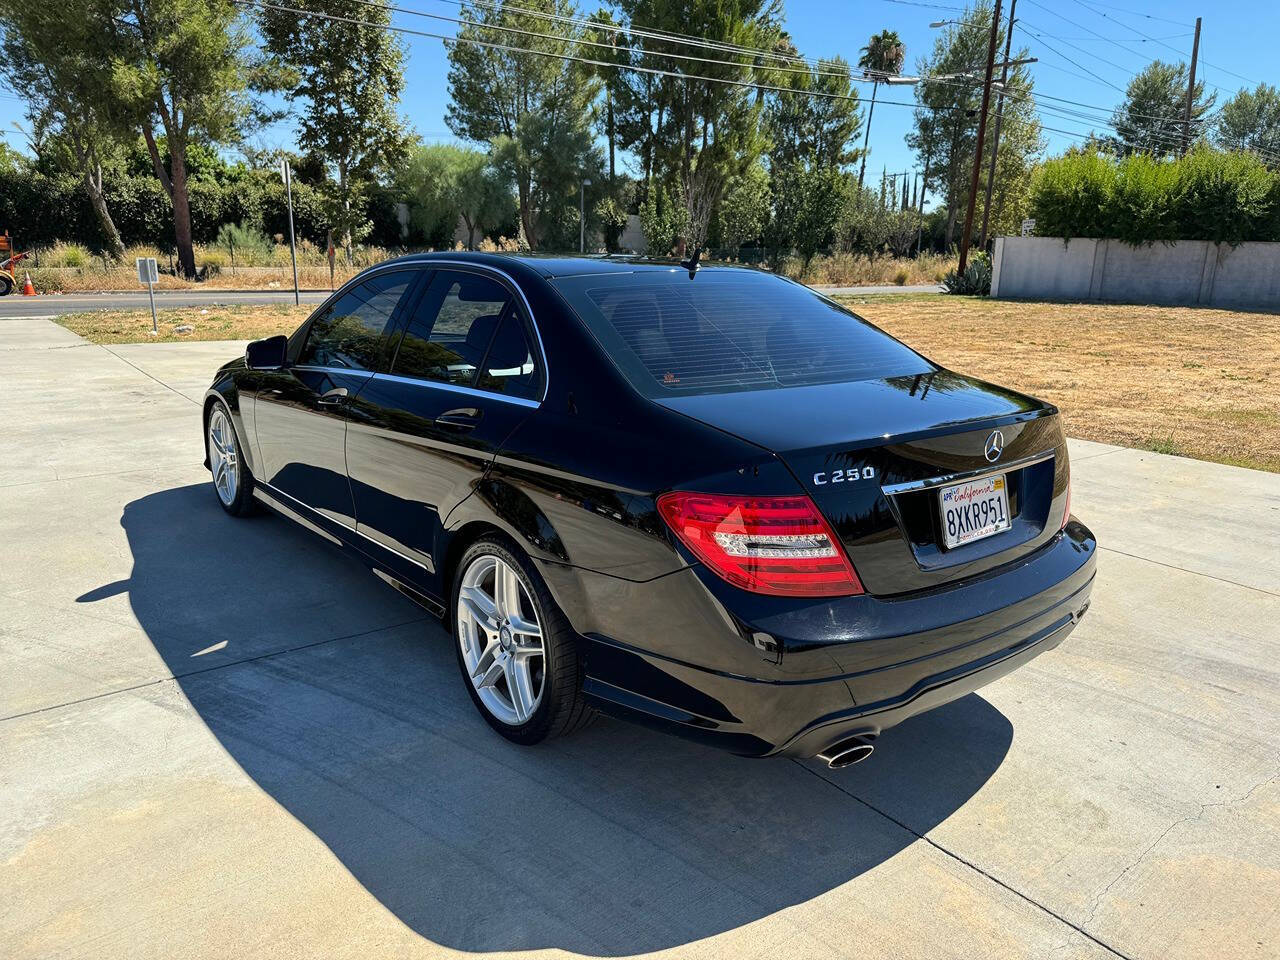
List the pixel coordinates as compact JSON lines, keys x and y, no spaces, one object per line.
{"x":973,"y":510}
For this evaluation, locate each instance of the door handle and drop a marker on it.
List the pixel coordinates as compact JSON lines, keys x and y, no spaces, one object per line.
{"x":460,"y":418}
{"x":333,"y":397}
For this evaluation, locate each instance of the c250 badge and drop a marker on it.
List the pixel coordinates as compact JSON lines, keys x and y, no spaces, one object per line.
{"x":843,"y":476}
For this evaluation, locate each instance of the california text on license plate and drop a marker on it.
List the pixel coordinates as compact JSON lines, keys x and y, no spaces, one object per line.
{"x":973,"y":510}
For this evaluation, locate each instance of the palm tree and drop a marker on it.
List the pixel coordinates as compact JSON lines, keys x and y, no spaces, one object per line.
{"x":881,"y":58}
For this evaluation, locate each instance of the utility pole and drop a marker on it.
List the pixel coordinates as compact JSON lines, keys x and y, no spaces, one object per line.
{"x":1191,"y":90}
{"x":995,"y":134}
{"x":982,"y":132}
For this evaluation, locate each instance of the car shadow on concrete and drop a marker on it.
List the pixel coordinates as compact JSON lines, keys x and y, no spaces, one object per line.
{"x":614,"y":841}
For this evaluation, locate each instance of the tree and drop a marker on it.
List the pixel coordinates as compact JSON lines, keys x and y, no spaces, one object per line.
{"x":446,"y":182}
{"x":946,"y":120}
{"x":744,"y":211}
{"x":808,"y":204}
{"x":184,"y":65}
{"x":1150,"y":117}
{"x":816,"y":119}
{"x":53,"y":60}
{"x":535,"y":110}
{"x":881,"y":58}
{"x":348,"y":77}
{"x":693,"y":137}
{"x":1251,"y":121}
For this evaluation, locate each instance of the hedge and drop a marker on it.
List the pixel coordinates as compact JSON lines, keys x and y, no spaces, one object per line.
{"x":1206,"y":195}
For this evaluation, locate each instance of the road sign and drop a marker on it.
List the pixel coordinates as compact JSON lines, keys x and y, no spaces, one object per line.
{"x":1028,"y":227}
{"x":149,"y":275}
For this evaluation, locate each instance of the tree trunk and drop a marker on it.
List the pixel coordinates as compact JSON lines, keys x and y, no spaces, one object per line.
{"x":111,"y":236}
{"x":182,"y":211}
{"x":526,"y":220}
{"x":866,"y":140}
{"x":471,"y":232}
{"x":609,"y":106}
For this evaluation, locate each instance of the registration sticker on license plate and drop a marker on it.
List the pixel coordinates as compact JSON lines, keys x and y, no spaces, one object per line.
{"x":973,"y":510}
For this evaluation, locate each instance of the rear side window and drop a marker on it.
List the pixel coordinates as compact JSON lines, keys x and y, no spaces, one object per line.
{"x":450,"y":331}
{"x":350,"y":333}
{"x":729,"y":330}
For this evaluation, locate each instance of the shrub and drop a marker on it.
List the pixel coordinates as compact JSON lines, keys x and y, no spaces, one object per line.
{"x":1071,"y":196}
{"x":245,"y":245}
{"x":901,"y":278}
{"x":1223,"y":197}
{"x":1205,"y":195}
{"x":45,"y":280}
{"x":976,"y":279}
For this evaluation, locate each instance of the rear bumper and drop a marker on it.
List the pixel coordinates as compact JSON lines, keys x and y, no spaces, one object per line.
{"x":796,"y":677}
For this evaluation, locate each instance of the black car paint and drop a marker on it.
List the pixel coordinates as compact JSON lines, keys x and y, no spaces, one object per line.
{"x":574,"y":480}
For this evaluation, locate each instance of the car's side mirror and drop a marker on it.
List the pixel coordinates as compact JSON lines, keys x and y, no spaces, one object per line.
{"x":268,"y":354}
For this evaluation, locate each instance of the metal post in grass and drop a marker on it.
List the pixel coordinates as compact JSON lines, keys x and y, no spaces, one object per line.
{"x":148,"y":273}
{"x":287,"y":177}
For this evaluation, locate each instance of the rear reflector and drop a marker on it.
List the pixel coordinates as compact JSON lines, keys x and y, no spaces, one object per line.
{"x":774,"y":545}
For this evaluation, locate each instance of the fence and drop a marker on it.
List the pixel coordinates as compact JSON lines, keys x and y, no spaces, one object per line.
{"x":1189,"y":272}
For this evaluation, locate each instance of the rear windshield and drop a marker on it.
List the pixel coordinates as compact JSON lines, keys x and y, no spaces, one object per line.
{"x":730,"y":330}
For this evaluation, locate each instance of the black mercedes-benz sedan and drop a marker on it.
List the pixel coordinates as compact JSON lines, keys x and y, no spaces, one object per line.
{"x":713,"y":501}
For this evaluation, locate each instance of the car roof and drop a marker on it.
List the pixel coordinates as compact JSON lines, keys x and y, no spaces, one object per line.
{"x":553,"y":267}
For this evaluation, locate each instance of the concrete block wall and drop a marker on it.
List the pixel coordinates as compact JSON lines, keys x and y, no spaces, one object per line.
{"x":1188,"y":272}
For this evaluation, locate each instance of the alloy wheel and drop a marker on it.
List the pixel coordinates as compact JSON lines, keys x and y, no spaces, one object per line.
{"x":501,"y":640}
{"x":223,"y":457}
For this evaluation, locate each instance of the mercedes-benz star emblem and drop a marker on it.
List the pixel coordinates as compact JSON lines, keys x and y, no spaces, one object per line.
{"x":995,"y":446}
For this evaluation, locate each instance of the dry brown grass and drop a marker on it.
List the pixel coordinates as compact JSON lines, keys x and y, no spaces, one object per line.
{"x":238,"y":322}
{"x":852,"y":270}
{"x":1196,"y":382}
{"x":1200,"y":383}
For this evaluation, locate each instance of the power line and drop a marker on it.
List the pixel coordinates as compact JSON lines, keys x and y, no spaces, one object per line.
{"x":636,"y":30}
{"x":1145,"y":36}
{"x":447,"y":39}
{"x":1148,"y":16}
{"x":806,"y":71}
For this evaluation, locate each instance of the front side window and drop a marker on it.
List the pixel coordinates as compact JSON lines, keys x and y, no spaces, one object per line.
{"x":466,"y":331}
{"x":350,"y":333}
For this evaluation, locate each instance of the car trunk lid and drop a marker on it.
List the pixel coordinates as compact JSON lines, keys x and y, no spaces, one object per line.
{"x":875,"y":454}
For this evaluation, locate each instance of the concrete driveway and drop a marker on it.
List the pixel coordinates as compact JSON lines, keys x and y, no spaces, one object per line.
{"x":222,"y":738}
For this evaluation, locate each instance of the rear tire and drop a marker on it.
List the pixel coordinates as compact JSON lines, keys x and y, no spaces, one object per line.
{"x":518,"y":655}
{"x":6,"y":285}
{"x":232,"y":481}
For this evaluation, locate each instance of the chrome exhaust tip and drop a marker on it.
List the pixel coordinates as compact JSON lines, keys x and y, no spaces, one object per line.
{"x":845,"y":753}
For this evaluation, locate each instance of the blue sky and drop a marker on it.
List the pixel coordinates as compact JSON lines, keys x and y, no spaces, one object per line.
{"x":1237,"y":38}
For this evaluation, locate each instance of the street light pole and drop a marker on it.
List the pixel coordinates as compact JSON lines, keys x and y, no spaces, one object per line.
{"x":582,"y":217}
{"x":982,"y":132}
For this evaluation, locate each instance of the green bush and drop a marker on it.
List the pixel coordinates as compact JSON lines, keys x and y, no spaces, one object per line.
{"x":1223,"y":197}
{"x":976,"y":279}
{"x":1071,"y":196}
{"x":1206,"y":195}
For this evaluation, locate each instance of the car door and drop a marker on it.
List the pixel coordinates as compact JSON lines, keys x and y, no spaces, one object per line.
{"x":466,"y":372}
{"x":300,"y":411}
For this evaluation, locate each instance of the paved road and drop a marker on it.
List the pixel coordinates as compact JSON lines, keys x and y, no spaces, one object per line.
{"x":54,"y":305}
{"x":222,"y":738}
{"x":57,"y":304}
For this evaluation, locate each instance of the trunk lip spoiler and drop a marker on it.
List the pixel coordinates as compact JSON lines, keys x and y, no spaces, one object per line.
{"x":893,"y":489}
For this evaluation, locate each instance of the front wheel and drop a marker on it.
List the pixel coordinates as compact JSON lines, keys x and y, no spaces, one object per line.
{"x":232,"y":481}
{"x":517,"y":653}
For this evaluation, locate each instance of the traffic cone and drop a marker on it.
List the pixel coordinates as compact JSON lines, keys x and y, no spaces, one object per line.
{"x":28,"y":290}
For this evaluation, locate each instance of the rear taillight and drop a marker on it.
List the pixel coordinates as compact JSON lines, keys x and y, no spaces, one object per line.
{"x":775,"y":545}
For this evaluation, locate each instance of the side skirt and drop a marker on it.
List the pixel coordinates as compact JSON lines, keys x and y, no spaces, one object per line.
{"x":385,"y":564}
